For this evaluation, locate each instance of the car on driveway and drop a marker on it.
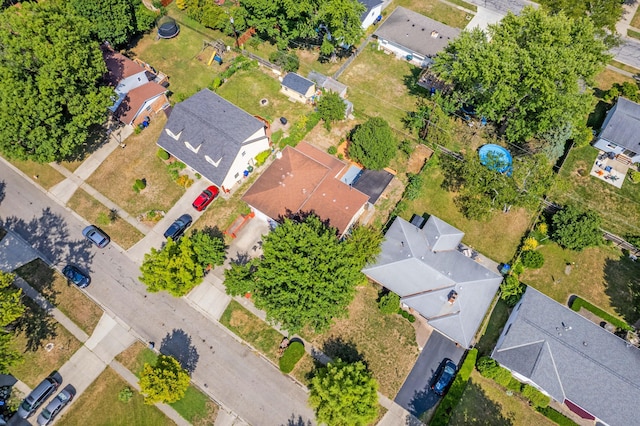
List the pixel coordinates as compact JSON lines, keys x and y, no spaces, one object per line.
{"x":444,"y":376}
{"x":55,"y":406}
{"x":96,"y":236}
{"x":178,"y":227}
{"x":76,"y":276}
{"x":38,"y":395}
{"x":205,"y":198}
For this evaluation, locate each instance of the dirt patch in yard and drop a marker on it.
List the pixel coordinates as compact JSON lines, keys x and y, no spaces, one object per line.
{"x":322,"y":139}
{"x":418,"y":157}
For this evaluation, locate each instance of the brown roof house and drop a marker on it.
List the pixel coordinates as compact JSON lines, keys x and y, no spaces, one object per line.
{"x":306,"y":179}
{"x":138,"y":92}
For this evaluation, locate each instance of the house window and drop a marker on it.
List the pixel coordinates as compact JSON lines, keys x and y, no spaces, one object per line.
{"x":173,"y":135}
{"x":191,"y":147}
{"x":244,"y":153}
{"x":148,"y":108}
{"x":612,"y":146}
{"x":210,"y":160}
{"x":508,"y":328}
{"x":236,"y":176}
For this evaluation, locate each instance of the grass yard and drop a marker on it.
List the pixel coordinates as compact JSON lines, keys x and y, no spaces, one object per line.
{"x":624,"y":67}
{"x":65,"y":296}
{"x":494,"y":327}
{"x":120,"y":231}
{"x":246,"y":87}
{"x":437,"y":10}
{"x":635,"y":22}
{"x":498,"y":238}
{"x":39,"y":329}
{"x":378,"y":86}
{"x":42,"y":174}
{"x":387,"y":343}
{"x":601,"y":275}
{"x":252,"y":329}
{"x":619,"y":208}
{"x":195,"y":406}
{"x":99,"y":405}
{"x":608,"y":77}
{"x":486,"y":403}
{"x":117,"y":174}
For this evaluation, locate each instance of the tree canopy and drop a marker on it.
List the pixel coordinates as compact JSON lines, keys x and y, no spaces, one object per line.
{"x":11,"y":308}
{"x":50,"y":70}
{"x":111,"y":20}
{"x":530,"y":73}
{"x":165,"y":381}
{"x":331,"y":107}
{"x":344,"y":394}
{"x":576,"y":229}
{"x":373,"y":144}
{"x":603,"y":13}
{"x":306,"y":276}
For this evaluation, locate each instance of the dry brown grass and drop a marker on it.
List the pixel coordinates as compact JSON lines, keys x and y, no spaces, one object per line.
{"x":42,"y":174}
{"x":120,"y":231}
{"x":608,"y":77}
{"x":418,"y":157}
{"x":65,"y":296}
{"x":386,"y":343}
{"x":223,"y":211}
{"x":322,"y":139}
{"x":304,"y":369}
{"x":117,"y":174}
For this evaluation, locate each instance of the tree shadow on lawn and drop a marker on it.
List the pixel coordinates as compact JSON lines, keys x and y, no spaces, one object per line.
{"x":411,"y":82}
{"x":475,"y":408}
{"x":336,"y":347}
{"x":36,"y":324}
{"x":623,"y":287}
{"x":178,"y":345}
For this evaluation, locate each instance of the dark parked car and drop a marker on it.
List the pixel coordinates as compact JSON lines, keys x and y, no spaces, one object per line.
{"x":178,"y":227}
{"x":205,"y":198}
{"x":55,"y":406}
{"x":37,"y":396}
{"x":76,"y":276}
{"x":444,"y":376}
{"x":96,"y":235}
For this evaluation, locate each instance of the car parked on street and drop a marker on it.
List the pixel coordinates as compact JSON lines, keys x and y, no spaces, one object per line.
{"x":96,"y":236}
{"x":54,"y":407}
{"x":444,"y":376}
{"x":38,"y":395}
{"x":76,"y":276}
{"x":205,"y":198}
{"x":178,"y":227}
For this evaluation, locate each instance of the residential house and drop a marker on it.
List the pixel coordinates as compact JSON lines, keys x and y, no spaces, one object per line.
{"x":214,"y":138}
{"x":139,"y":93}
{"x":298,"y":88}
{"x":435,"y":276}
{"x":372,"y":12}
{"x":620,"y":133}
{"x":414,"y":37}
{"x":593,"y":372}
{"x":306,"y":179}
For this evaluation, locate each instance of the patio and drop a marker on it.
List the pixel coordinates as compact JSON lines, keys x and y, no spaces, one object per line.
{"x":609,"y":169}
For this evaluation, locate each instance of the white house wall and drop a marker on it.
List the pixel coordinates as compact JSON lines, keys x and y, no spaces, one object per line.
{"x":241,"y":162}
{"x":372,"y":16}
{"x":401,"y":52}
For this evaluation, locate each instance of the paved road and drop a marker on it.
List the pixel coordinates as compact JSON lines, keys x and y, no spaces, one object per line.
{"x":233,"y":374}
{"x":415,"y":395}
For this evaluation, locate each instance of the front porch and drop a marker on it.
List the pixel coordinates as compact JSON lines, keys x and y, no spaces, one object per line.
{"x":611,"y":169}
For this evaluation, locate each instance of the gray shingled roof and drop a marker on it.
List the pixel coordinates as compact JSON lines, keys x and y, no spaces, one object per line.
{"x":328,"y":83}
{"x":622,"y":125}
{"x":215,"y":127}
{"x":297,"y":83}
{"x":414,"y":31}
{"x":423,"y":277}
{"x":572,"y":358}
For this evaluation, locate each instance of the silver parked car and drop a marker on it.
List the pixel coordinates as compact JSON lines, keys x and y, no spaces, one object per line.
{"x":96,"y":236}
{"x":55,"y":406}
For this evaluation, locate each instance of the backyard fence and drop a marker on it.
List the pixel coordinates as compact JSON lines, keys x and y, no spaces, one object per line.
{"x":275,"y":68}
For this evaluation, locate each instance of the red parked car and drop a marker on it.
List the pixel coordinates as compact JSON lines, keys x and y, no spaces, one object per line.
{"x":204,"y":199}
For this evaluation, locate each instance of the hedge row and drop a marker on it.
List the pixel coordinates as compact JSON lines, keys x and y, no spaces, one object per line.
{"x":300,"y":130}
{"x":579,"y":302}
{"x":489,"y":368}
{"x":443,"y":413}
{"x":556,"y":417}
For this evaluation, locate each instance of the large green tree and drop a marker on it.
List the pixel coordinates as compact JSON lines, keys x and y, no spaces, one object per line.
{"x":305,"y":278}
{"x":342,"y":20}
{"x":331,"y":108}
{"x":530,"y":73}
{"x":11,"y":308}
{"x":373,"y":144}
{"x":603,"y":13}
{"x":209,"y":247}
{"x":344,"y":394}
{"x":165,"y":381}
{"x":111,"y":20}
{"x":50,"y":70}
{"x":576,"y":229}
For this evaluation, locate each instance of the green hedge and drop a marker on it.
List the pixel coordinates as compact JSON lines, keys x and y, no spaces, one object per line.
{"x":262,"y":157}
{"x":443,"y":413}
{"x":297,"y":132}
{"x":537,"y":398}
{"x":556,"y":417}
{"x":579,"y":302}
{"x":291,"y":356}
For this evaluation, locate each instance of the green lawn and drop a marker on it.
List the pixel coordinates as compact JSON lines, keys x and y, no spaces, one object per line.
{"x":498,"y":238}
{"x":619,"y":208}
{"x":378,"y":85}
{"x":99,"y":405}
{"x":601,"y":275}
{"x":42,"y":174}
{"x":246,"y":88}
{"x":496,"y":323}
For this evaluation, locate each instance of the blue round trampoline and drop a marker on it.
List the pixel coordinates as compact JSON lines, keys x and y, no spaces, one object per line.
{"x":496,"y":158}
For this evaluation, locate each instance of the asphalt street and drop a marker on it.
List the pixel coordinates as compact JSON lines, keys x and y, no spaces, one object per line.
{"x":233,"y":374}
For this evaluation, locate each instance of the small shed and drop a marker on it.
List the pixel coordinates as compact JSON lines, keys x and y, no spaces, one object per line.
{"x":328,"y":83}
{"x":297,"y":87}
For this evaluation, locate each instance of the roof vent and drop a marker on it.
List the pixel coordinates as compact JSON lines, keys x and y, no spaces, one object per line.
{"x":434,"y":34}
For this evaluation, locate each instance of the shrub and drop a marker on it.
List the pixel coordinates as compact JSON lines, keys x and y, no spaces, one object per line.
{"x":389,"y":303}
{"x":530,"y":243}
{"x":404,"y":313}
{"x":125,"y":394}
{"x":291,"y":356}
{"x":332,"y":150}
{"x":217,"y":82}
{"x":556,"y":417}
{"x":287,"y":60}
{"x":407,"y":146}
{"x":411,"y":318}
{"x":139,"y":185}
{"x":576,"y":229}
{"x":262,"y":157}
{"x":537,"y":398}
{"x":542,"y":228}
{"x":103,"y":219}
{"x":448,"y":404}
{"x":198,"y":176}
{"x":164,"y":155}
{"x":532,"y":259}
{"x":184,"y":180}
{"x":414,"y":187}
{"x":486,"y":366}
{"x":511,"y":290}
{"x":517,"y":268}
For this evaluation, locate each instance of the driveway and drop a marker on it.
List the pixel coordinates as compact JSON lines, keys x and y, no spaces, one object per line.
{"x":415,"y":395}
